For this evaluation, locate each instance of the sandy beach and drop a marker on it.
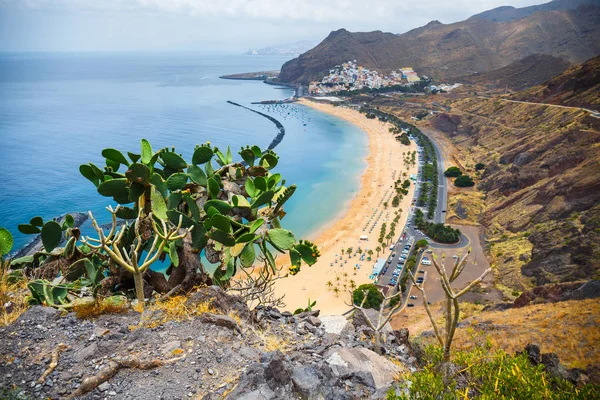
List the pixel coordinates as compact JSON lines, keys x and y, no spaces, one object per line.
{"x":363,"y":215}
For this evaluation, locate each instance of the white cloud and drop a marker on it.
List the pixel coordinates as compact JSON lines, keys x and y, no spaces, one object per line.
{"x":373,"y":11}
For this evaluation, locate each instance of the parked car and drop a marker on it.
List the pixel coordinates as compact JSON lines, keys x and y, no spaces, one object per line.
{"x":393,"y":282}
{"x":412,"y":297}
{"x":455,"y":256}
{"x":393,"y":254}
{"x":421,"y":271}
{"x":390,"y":261}
{"x":410,"y":305}
{"x":419,"y":280}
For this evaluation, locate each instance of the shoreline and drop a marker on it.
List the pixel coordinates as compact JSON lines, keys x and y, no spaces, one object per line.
{"x":363,"y":214}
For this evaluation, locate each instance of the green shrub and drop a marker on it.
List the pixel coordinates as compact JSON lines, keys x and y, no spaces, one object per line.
{"x":490,"y":375}
{"x":453,"y":172}
{"x":374,"y":296}
{"x":479,"y":166}
{"x":464,"y":181}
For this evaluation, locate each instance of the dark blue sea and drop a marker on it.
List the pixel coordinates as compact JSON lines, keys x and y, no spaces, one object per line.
{"x":58,"y":111}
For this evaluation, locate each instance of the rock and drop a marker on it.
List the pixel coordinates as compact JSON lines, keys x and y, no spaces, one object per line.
{"x":39,"y":314}
{"x":533,"y":353}
{"x":220,"y":320}
{"x":167,"y":349}
{"x":306,"y":380}
{"x":554,"y":367}
{"x":306,"y":314}
{"x":216,"y":298}
{"x":588,"y":290}
{"x":85,"y":353}
{"x":334,"y":323}
{"x":347,"y":361}
{"x":314,"y":321}
{"x":100,"y":331}
{"x":103,"y":387}
{"x":276,"y":372}
{"x":498,"y":307}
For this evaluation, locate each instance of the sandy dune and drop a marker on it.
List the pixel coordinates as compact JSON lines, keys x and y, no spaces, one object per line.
{"x":385,"y":165}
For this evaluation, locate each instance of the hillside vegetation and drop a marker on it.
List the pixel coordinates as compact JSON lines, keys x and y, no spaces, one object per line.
{"x":448,"y":51}
{"x":542,"y":194}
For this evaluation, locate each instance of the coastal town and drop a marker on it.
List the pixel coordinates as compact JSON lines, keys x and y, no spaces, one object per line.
{"x":351,"y":76}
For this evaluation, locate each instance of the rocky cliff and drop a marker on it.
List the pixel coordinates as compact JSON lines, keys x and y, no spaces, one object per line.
{"x":445,"y":52}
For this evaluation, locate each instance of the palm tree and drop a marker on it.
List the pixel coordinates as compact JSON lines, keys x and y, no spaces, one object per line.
{"x":360,"y":250}
{"x":370,"y":253}
{"x":378,"y":249}
{"x":345,"y":275}
{"x":336,"y":291}
{"x":352,"y":284}
{"x":349,"y":251}
{"x":385,"y":204}
{"x":345,"y":287}
{"x":329,"y":284}
{"x":337,"y":278}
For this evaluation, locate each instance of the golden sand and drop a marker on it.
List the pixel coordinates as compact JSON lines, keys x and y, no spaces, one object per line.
{"x":385,"y":166}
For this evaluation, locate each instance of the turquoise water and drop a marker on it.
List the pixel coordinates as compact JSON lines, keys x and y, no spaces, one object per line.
{"x":58,"y":111}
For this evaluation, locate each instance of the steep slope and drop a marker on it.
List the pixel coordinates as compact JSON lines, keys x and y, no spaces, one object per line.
{"x":530,"y":71}
{"x":445,"y":52}
{"x":508,"y":13}
{"x":577,"y":87}
{"x":541,"y":180}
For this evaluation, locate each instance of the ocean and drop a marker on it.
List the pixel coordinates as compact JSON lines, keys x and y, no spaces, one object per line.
{"x":58,"y":111}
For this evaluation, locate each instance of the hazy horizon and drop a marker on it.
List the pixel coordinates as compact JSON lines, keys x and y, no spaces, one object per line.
{"x":202,"y":25}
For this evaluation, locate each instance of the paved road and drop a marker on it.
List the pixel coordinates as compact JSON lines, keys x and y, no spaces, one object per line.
{"x":411,"y":235}
{"x":595,"y":114}
{"x":440,"y":214}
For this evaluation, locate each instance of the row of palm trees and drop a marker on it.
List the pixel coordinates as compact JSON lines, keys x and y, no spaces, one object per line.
{"x":345,"y":284}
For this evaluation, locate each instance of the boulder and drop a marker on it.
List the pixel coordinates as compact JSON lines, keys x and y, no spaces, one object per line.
{"x":85,"y":353}
{"x":334,"y":323}
{"x":220,"y":320}
{"x":350,"y":361}
{"x":306,"y":380}
{"x":217,"y":299}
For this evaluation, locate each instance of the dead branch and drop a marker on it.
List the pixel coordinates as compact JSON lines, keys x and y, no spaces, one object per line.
{"x":53,"y":362}
{"x":113,"y":366}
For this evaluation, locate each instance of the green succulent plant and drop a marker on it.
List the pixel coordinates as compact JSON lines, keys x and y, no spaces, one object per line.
{"x":232,"y":213}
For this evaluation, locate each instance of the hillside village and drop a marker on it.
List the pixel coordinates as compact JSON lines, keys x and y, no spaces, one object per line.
{"x":351,"y":76}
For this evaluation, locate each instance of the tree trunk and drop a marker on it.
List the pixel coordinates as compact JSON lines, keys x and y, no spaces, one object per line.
{"x":188,"y":273}
{"x":139,"y":287}
{"x":378,"y":342}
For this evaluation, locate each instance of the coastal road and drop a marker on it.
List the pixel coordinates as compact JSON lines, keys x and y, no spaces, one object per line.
{"x":593,"y":113}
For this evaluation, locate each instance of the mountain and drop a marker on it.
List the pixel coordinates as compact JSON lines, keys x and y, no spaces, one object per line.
{"x":542,"y":190}
{"x":289,"y":49}
{"x":577,"y":87}
{"x":508,"y":13}
{"x":530,"y":71}
{"x":446,"y":52}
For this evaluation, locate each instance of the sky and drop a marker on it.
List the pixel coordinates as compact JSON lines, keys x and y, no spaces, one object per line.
{"x":210,"y":25}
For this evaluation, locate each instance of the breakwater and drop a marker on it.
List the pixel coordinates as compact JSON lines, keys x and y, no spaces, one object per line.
{"x":279,"y":137}
{"x":35,"y":245}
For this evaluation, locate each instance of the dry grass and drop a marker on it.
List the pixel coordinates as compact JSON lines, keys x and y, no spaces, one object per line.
{"x":504,"y":256}
{"x":571,"y":329}
{"x":171,"y":309}
{"x":472,"y":201}
{"x":12,"y":292}
{"x":272,"y":341}
{"x":100,"y":307}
